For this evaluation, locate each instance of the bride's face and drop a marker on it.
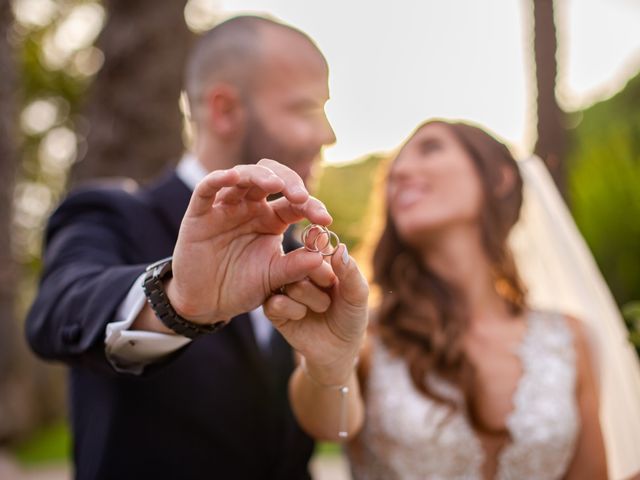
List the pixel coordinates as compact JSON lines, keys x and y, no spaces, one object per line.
{"x":433,"y":185}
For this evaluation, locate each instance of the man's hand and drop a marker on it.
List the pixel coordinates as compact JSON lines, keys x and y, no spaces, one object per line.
{"x":228,"y":258}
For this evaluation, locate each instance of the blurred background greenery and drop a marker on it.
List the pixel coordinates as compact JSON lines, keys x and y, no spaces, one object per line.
{"x":604,"y":193}
{"x":72,"y":110}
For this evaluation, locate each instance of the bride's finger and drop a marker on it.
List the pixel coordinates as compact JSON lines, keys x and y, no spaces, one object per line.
{"x":280,"y":309}
{"x":354,"y":288}
{"x":308,"y":294}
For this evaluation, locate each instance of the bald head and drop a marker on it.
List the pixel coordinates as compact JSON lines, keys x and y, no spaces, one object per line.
{"x":257,"y":89}
{"x":233,"y":51}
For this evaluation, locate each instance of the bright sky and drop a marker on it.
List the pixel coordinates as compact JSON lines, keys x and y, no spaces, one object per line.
{"x":395,"y":64}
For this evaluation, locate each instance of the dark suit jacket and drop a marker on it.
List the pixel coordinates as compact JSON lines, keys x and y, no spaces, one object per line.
{"x":216,"y":409}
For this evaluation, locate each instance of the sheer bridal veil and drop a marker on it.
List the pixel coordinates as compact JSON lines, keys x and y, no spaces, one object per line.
{"x":561,"y":274}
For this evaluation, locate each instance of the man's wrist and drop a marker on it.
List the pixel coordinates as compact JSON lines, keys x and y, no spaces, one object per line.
{"x":181,"y":308}
{"x":155,"y":284}
{"x":187,"y":312}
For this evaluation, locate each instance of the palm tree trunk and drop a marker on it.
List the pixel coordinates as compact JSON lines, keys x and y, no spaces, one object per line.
{"x":551,"y":144}
{"x":135,"y":125}
{"x":9,"y":331}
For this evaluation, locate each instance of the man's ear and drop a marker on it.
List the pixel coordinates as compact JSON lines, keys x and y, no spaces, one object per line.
{"x":224,"y":110}
{"x":507,"y":181}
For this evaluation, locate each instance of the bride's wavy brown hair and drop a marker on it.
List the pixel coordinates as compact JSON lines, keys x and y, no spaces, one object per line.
{"x":422,"y":318}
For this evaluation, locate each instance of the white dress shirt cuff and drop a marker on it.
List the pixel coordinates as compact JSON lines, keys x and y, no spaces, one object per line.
{"x":130,"y":351}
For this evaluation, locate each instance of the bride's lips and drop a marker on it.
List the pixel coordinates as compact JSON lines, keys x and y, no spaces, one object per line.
{"x":409,"y":196}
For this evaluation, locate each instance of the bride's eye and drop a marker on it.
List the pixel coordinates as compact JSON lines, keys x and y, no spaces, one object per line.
{"x":430,"y":145}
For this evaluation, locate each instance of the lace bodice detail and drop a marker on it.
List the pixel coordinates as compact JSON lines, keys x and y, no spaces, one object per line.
{"x":409,"y":436}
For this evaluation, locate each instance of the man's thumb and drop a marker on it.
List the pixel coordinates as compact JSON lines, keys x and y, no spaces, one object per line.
{"x":293,"y":267}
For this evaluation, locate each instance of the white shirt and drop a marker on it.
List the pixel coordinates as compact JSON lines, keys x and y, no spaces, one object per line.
{"x":131,"y":350}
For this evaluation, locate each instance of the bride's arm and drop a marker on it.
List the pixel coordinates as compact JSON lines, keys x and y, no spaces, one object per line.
{"x":589,"y":460}
{"x":324,"y":318}
{"x":308,"y":397}
{"x":327,"y":412}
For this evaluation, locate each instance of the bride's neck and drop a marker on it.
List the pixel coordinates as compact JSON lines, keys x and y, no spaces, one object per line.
{"x":459,"y":258}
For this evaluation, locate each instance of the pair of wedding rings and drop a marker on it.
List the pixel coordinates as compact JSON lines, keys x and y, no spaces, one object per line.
{"x":318,"y":238}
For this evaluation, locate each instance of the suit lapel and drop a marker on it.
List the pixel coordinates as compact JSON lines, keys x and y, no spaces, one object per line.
{"x":170,"y":198}
{"x":242,"y":329}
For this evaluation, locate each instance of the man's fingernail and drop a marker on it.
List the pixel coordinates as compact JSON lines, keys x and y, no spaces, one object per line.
{"x":345,"y":256}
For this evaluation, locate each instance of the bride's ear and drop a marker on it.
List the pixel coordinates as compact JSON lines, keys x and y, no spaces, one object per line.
{"x":506,"y":181}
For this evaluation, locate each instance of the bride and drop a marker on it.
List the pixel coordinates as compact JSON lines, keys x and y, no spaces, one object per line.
{"x":462,"y":378}
{"x":466,"y":374}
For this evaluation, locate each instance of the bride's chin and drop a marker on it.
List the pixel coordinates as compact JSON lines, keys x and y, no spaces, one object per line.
{"x":416,"y":236}
{"x":422,"y":233}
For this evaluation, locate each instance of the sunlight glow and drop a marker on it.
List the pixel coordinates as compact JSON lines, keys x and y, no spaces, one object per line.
{"x":34,"y":13}
{"x":201,"y":15}
{"x":39,"y":116}
{"x":395,"y":64}
{"x":58,"y":149}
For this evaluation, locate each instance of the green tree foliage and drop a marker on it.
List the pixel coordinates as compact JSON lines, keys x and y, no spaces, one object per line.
{"x":631,"y":314}
{"x":51,"y":43}
{"x":346,"y":190}
{"x":57,"y":61}
{"x":604,"y":187}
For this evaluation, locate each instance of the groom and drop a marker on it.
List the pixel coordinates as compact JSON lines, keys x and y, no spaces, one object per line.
{"x":154,"y":393}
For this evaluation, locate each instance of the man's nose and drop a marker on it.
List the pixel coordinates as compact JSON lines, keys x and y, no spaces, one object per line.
{"x":328,"y":135}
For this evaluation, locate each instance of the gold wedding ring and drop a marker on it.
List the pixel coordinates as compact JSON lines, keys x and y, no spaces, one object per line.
{"x":318,"y":238}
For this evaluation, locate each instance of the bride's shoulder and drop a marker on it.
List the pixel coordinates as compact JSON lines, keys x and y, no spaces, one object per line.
{"x":559,"y":319}
{"x":579,"y":328}
{"x":584,"y":340}
{"x":586,"y":345}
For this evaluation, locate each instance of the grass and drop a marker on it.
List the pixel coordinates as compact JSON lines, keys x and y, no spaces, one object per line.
{"x":52,"y":444}
{"x":326,"y":448}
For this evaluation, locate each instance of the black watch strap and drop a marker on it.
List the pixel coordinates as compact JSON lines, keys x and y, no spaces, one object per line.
{"x":159,"y":302}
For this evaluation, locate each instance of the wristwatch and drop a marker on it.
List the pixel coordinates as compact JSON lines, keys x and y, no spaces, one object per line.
{"x":159,"y":302}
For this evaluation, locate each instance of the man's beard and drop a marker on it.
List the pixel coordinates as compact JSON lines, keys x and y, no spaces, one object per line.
{"x":258,"y":143}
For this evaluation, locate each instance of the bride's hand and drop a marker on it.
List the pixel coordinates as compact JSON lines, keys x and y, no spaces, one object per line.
{"x":324,"y":317}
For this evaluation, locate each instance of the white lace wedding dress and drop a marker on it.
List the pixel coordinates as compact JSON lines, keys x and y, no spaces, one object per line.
{"x":409,"y":436}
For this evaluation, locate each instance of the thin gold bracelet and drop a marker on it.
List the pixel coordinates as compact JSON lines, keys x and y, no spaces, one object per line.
{"x":342,"y":389}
